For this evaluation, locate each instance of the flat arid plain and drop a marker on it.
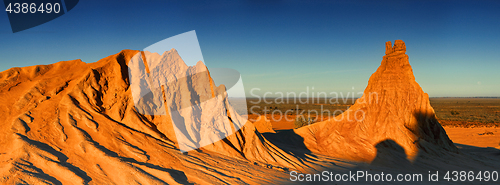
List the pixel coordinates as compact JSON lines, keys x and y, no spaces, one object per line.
{"x":467,"y":121}
{"x":95,"y":123}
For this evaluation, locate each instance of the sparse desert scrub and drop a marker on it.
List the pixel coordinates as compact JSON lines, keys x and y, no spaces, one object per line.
{"x":301,"y":121}
{"x":467,"y":112}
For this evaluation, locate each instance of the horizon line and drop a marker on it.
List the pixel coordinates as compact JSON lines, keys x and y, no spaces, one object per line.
{"x":360,"y":97}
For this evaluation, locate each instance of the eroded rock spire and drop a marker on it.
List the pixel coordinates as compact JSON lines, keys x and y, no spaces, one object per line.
{"x":399,"y":47}
{"x":393,"y":109}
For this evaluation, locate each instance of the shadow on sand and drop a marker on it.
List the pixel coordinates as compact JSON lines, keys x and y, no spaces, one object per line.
{"x":391,"y":159}
{"x":389,"y":153}
{"x":290,"y":142}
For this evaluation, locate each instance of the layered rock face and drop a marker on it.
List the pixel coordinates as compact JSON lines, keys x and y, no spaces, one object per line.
{"x":263,"y":125}
{"x":165,"y":85}
{"x":198,"y":112}
{"x":76,"y":123}
{"x":393,"y":108}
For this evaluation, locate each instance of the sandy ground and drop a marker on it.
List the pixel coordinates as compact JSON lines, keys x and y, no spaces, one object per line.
{"x":480,"y":137}
{"x":479,"y":151}
{"x":284,"y":122}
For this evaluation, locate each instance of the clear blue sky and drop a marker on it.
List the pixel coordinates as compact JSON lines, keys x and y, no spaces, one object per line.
{"x":285,"y":46}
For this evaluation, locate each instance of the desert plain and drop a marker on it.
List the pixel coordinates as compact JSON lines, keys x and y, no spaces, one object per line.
{"x":467,"y":120}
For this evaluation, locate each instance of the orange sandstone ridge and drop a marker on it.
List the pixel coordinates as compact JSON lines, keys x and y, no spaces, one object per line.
{"x":392,"y":111}
{"x":263,"y":125}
